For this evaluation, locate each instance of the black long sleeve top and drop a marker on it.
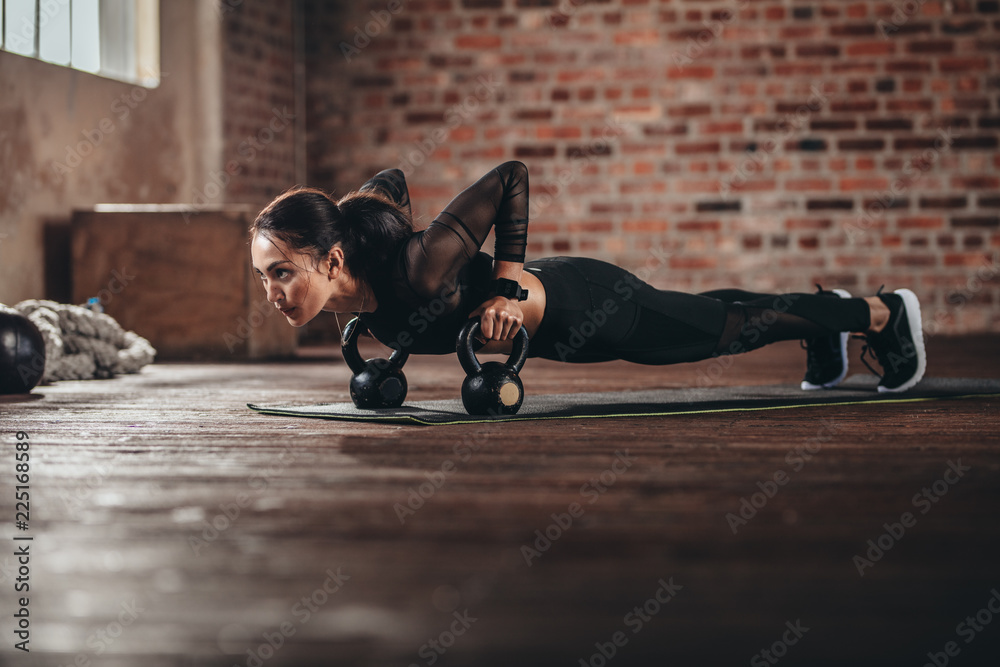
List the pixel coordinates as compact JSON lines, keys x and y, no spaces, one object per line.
{"x":440,"y":275}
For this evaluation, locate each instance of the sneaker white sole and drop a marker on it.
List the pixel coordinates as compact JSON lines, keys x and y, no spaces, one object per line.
{"x":912,"y":306}
{"x":844,"y":335}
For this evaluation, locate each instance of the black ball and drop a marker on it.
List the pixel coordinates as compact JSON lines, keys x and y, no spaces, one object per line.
{"x":22,"y":354}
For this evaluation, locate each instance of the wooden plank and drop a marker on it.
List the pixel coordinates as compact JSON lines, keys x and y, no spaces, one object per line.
{"x":164,"y":489}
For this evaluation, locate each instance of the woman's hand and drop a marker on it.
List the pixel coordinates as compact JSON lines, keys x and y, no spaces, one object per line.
{"x":499,"y":319}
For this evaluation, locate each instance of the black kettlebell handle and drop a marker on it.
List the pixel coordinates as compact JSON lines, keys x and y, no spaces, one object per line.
{"x":467,"y":356}
{"x":349,"y":346}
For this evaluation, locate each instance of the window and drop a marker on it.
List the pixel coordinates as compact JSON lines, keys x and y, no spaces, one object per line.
{"x":119,"y":39}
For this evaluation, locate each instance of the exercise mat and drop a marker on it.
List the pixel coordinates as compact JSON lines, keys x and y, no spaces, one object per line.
{"x":857,"y":389}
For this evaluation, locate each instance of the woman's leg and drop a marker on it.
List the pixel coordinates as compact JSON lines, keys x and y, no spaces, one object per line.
{"x":599,"y":311}
{"x":797,"y":316}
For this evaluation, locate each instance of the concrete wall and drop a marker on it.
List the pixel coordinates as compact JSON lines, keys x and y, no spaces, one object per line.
{"x":69,"y":140}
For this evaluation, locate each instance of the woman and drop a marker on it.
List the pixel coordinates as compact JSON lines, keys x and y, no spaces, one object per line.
{"x":415,"y":290}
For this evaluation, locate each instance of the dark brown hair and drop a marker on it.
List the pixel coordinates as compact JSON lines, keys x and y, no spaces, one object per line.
{"x":368,"y":225}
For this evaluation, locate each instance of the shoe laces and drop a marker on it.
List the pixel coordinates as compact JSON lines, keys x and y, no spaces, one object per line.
{"x":812,"y":352}
{"x":868,"y":350}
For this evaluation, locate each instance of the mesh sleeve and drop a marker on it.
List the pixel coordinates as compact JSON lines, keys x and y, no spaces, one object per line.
{"x":392,"y":183}
{"x":499,"y":199}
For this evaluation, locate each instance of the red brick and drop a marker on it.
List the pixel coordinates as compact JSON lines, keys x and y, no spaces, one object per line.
{"x":931,"y":46}
{"x":863,"y":184}
{"x":920,"y":223}
{"x":888,"y":124}
{"x":690,"y":110}
{"x":860,"y":144}
{"x":604,"y":208}
{"x":853,"y":30}
{"x":943,"y":202}
{"x":832,"y":125}
{"x":691,"y":72}
{"x":858,"y":10}
{"x":972,"y":260}
{"x":964,"y":65}
{"x":793,"y":224}
{"x":722,"y":127}
{"x":817,"y":51}
{"x":982,"y":182}
{"x":853,"y":106}
{"x":696,"y":147}
{"x":637,"y":38}
{"x":908,"y":66}
{"x":894,"y":106}
{"x":858,"y":49}
{"x":558,"y":132}
{"x":594,"y":226}
{"x":808,"y":185}
{"x":692,"y":263}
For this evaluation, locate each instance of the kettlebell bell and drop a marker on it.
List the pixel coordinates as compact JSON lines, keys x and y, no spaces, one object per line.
{"x":377,"y":383}
{"x":492,"y":388}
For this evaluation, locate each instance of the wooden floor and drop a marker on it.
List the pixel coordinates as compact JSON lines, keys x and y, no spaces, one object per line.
{"x":173,"y":526}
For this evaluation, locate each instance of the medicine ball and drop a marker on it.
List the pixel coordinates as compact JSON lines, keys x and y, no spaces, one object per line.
{"x":22,"y":354}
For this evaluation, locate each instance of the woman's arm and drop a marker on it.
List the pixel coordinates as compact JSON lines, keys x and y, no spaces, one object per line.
{"x":498,"y":200}
{"x":391,"y":183}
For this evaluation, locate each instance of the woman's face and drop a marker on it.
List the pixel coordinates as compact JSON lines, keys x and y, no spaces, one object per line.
{"x":296,"y":286}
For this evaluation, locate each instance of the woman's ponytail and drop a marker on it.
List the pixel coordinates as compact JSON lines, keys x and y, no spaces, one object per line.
{"x":368,"y":226}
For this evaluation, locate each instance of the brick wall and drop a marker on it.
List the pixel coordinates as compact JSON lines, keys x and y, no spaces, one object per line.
{"x":258,"y":100}
{"x":765,"y":145}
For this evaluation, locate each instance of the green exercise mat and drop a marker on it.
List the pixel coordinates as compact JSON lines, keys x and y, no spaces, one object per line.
{"x":855,"y":390}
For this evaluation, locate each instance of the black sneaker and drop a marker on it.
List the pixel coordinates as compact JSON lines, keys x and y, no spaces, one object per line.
{"x":826,"y":356}
{"x":899,"y":347}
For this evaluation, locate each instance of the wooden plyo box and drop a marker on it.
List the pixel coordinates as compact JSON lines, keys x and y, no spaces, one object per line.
{"x":180,"y":278}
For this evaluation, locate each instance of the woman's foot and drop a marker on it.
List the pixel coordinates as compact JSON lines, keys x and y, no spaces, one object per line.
{"x":898,"y":343}
{"x":826,"y":356}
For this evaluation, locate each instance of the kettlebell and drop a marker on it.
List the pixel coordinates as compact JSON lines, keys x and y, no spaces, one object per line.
{"x":377,"y":383}
{"x":492,"y":388}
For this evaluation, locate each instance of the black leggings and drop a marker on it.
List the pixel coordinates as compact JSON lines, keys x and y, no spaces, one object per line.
{"x":596,"y":311}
